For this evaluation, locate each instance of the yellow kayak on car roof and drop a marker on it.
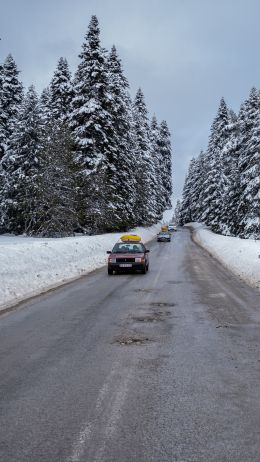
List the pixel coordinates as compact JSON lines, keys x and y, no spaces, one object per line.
{"x":130,"y":237}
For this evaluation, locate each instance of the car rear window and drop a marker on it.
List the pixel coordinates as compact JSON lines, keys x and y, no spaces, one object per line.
{"x":128,"y":247}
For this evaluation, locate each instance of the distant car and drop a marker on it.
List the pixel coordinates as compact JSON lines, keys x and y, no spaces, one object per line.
{"x":163,"y":237}
{"x":164,"y":229}
{"x":128,"y":256}
{"x":172,"y":227}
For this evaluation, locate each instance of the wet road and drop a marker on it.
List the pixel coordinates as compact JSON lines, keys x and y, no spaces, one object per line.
{"x":157,"y":367}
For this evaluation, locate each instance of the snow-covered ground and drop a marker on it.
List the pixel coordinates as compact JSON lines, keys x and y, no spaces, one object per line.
{"x":30,"y":266}
{"x":241,"y":256}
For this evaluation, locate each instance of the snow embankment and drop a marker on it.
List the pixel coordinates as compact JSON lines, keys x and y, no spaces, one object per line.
{"x":241,"y":256}
{"x":30,"y":266}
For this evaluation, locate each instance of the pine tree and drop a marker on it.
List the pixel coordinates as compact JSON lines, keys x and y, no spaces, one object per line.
{"x":2,"y":119}
{"x":251,"y":178}
{"x":56,"y":215}
{"x":61,"y":91}
{"x":21,"y":166}
{"x":177,"y":212}
{"x":229,"y":218}
{"x":185,"y":215}
{"x":145,"y":167}
{"x":156,"y":155}
{"x":11,"y":94}
{"x":165,"y":162}
{"x":91,"y":126}
{"x":120,"y":165}
{"x":45,"y":106}
{"x":215,"y":180}
{"x":248,"y":164}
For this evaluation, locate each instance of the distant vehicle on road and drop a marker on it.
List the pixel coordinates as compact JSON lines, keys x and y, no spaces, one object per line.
{"x":163,"y":237}
{"x":164,"y":228}
{"x":172,"y":227}
{"x":128,"y":255}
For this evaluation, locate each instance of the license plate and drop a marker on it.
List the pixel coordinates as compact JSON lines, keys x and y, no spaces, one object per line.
{"x":126,"y":265}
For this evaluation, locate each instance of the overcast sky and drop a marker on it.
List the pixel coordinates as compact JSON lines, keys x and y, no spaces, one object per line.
{"x":185,"y":54}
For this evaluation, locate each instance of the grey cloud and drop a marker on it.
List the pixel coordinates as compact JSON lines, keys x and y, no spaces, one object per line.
{"x":185,"y":54}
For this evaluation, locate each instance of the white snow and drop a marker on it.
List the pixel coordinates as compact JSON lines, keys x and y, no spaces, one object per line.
{"x":30,"y":266}
{"x":241,"y":256}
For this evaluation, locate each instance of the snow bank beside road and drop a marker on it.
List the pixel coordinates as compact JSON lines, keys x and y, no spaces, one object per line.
{"x":30,"y":266}
{"x":241,"y":256}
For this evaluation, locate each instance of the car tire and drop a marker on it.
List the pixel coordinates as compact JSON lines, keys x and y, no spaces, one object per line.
{"x":147,"y":268}
{"x":144,"y":270}
{"x":109,"y":271}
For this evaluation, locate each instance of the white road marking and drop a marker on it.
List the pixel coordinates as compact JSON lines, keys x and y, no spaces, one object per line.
{"x":87,"y":429}
{"x":112,"y":422}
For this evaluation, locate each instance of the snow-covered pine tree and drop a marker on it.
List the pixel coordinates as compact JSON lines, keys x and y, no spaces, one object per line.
{"x":61,"y":91}
{"x":56,"y":215}
{"x":10,"y":99}
{"x":45,"y":106}
{"x":165,"y":162}
{"x":214,"y":187}
{"x":21,"y":165}
{"x":177,"y":212}
{"x":249,"y":167}
{"x":144,"y":161}
{"x":229,"y":157}
{"x":199,"y":176}
{"x":187,"y":206}
{"x":120,"y":164}
{"x":2,"y":119}
{"x":160,"y":199}
{"x":91,"y":125}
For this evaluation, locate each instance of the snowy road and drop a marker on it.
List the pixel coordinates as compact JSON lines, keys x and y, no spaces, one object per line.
{"x":157,"y":367}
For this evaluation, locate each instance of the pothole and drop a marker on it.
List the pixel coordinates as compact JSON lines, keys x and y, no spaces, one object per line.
{"x":155,"y":317}
{"x":132,"y":340}
{"x":161,"y":304}
{"x":144,"y":290}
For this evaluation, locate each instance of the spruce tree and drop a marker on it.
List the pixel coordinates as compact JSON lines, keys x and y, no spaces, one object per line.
{"x":248,"y":164}
{"x":61,"y":91}
{"x":177,"y":212}
{"x":120,"y":165}
{"x":11,"y":93}
{"x":91,"y":125}
{"x":2,"y":118}
{"x":56,"y":215}
{"x":186,"y":211}
{"x":165,"y":162}
{"x":160,"y":200}
{"x":45,"y":106}
{"x":215,"y":180}
{"x":21,"y":166}
{"x":145,"y":166}
{"x":229,"y":217}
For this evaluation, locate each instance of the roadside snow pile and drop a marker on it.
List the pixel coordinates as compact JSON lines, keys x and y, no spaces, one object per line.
{"x":30,"y":266}
{"x":241,"y":256}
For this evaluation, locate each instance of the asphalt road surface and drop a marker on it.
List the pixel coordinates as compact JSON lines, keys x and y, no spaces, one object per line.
{"x":157,"y":367}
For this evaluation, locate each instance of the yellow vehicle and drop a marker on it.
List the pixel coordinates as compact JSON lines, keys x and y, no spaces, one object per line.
{"x":164,"y":228}
{"x":130,"y":238}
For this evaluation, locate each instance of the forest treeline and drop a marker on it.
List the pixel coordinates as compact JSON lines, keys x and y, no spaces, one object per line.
{"x":82,"y":156}
{"x":222,"y":187}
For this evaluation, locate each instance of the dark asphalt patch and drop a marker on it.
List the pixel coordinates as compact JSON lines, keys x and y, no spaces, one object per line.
{"x":132,"y":340}
{"x":161,"y":304}
{"x":155,"y":317}
{"x":144,"y":290}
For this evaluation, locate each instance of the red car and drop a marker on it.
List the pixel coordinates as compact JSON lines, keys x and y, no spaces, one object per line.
{"x":128,"y":256}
